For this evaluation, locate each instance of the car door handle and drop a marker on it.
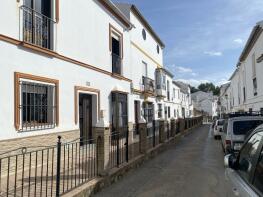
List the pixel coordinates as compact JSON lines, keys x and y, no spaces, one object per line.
{"x":235,"y":191}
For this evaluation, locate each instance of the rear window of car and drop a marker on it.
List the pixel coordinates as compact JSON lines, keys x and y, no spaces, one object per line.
{"x":220,"y":122}
{"x":242,"y":127}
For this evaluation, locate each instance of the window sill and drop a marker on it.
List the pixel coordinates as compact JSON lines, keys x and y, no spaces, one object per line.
{"x":117,"y":76}
{"x":39,"y":49}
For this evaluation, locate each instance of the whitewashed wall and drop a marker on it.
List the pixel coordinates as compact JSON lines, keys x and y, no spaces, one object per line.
{"x":138,"y":50}
{"x":81,"y":34}
{"x":243,"y":78}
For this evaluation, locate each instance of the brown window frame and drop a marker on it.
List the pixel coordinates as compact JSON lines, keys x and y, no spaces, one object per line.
{"x":17,"y":94}
{"x":57,"y":11}
{"x":114,"y":30}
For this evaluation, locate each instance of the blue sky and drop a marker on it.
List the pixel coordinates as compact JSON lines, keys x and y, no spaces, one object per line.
{"x":203,"y":38}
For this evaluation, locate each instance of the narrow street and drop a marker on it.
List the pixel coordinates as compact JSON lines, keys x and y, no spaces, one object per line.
{"x":192,"y":167}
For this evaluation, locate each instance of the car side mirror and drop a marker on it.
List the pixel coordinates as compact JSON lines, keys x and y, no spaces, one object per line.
{"x":230,"y":161}
{"x":244,"y":165}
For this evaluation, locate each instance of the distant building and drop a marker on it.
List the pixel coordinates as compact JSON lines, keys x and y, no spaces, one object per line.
{"x":205,"y":103}
{"x":224,"y":104}
{"x":186,"y":100}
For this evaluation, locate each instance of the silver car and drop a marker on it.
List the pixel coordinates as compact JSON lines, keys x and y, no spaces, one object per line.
{"x":244,"y":172}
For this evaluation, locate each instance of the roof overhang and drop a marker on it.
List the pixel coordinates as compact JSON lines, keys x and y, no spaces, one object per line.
{"x":236,"y":70}
{"x":116,"y":12}
{"x":167,"y":72}
{"x":256,"y":32}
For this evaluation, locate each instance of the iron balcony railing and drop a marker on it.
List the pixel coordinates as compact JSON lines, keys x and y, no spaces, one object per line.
{"x":148,"y":84}
{"x":116,"y":64}
{"x":37,"y":28}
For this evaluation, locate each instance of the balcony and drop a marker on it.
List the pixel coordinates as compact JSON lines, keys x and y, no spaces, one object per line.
{"x":160,"y":83}
{"x":37,"y":29}
{"x":116,"y":64}
{"x":148,"y":85}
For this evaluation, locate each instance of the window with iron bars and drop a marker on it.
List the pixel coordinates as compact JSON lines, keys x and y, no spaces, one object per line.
{"x":148,"y":109}
{"x":160,"y":111}
{"x":37,"y":106}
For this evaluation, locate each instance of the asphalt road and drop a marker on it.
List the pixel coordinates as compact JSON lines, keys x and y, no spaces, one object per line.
{"x":192,"y":167}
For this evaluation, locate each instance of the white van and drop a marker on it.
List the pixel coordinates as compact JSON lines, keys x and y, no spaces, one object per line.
{"x":218,"y":128}
{"x":235,"y":131}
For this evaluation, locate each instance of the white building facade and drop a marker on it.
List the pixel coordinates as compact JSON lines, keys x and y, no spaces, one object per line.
{"x":185,"y":99}
{"x":246,"y":89}
{"x":224,"y":104}
{"x":63,"y":74}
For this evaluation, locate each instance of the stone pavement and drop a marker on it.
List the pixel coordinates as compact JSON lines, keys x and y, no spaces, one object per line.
{"x":192,"y":167}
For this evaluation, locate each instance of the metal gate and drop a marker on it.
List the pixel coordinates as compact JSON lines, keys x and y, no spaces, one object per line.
{"x":119,"y":152}
{"x":118,"y":141}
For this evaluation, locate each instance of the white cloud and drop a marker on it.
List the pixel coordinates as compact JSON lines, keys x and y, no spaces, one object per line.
{"x":181,"y":69}
{"x":182,"y":72}
{"x":238,"y":41}
{"x":213,"y":53}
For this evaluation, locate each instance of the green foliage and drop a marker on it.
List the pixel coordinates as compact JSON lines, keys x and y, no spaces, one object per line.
{"x":207,"y":87}
{"x":194,"y":89}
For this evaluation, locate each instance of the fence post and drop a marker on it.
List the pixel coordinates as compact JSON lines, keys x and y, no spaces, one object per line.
{"x":182,"y":125}
{"x":161,"y":131}
{"x":173,"y":127}
{"x":103,"y":148}
{"x":58,"y":166}
{"x":143,"y":136}
{"x":154,"y":130}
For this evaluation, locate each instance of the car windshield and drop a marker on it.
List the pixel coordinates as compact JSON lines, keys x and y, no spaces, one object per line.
{"x":220,"y":122}
{"x":242,"y":127}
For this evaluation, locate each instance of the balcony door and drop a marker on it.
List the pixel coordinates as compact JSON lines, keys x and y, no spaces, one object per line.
{"x":119,"y":113}
{"x":40,"y":6}
{"x":116,"y":54}
{"x":144,"y":69}
{"x":85,"y":117}
{"x":37,"y":23}
{"x":137,"y":115}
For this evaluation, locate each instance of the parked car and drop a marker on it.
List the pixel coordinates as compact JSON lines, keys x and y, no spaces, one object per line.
{"x":236,"y":129}
{"x":213,"y":124}
{"x":244,"y":172}
{"x":218,"y":128}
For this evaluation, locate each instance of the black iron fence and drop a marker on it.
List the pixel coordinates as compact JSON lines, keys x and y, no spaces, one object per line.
{"x":50,"y":171}
{"x":118,"y":143}
{"x":116,"y":64}
{"x":37,"y":28}
{"x":148,"y":84}
{"x":134,"y":144}
{"x":150,"y":135}
{"x":156,"y":126}
{"x":56,"y":170}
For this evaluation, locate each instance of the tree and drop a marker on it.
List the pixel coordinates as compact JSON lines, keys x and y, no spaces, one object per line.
{"x":217,"y":91}
{"x":194,"y":89}
{"x":207,"y":87}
